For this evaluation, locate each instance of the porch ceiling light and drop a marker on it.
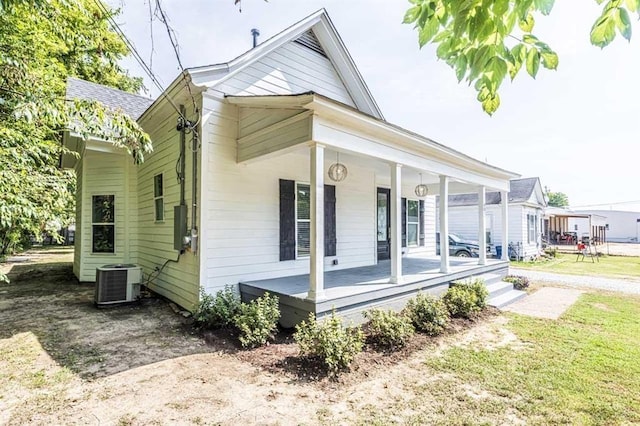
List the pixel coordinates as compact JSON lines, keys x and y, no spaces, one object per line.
{"x":421,"y":190}
{"x":337,"y":171}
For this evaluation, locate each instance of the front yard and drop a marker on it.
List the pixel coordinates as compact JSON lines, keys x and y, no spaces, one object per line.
{"x":604,"y":266}
{"x":63,"y":361}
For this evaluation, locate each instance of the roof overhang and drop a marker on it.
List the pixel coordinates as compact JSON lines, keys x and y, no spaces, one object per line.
{"x":334,"y":122}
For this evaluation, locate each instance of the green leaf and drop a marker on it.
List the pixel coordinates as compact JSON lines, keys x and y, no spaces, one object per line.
{"x":549,"y":60}
{"x":500,"y":7}
{"x":491,"y":104}
{"x":461,"y":67}
{"x":623,"y":23}
{"x":633,"y":5}
{"x":533,"y":62}
{"x":428,"y":31}
{"x":527,"y":24}
{"x":544,"y":6}
{"x":603,"y":31}
{"x":496,"y":70}
{"x":411,"y":15}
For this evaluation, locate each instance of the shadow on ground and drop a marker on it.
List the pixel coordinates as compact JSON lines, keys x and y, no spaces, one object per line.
{"x":46,"y":299}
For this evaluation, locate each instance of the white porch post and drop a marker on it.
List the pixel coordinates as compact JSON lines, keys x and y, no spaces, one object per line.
{"x":396,"y":223}
{"x":504,"y":195}
{"x":482,"y":234}
{"x":316,"y":270}
{"x":444,"y":224}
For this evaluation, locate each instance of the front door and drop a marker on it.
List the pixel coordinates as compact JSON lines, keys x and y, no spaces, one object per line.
{"x":384,"y":223}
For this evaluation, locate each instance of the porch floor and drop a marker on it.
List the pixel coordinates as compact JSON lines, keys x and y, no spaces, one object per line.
{"x":346,"y":289}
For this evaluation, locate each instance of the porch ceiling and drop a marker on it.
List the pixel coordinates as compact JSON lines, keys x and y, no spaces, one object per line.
{"x":316,"y":119}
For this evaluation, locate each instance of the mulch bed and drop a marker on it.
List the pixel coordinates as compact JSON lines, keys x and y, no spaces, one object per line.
{"x":281,"y":356}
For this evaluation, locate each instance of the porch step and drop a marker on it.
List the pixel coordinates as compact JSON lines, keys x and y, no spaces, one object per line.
{"x":498,"y":288}
{"x":506,"y":298}
{"x":491,"y":277}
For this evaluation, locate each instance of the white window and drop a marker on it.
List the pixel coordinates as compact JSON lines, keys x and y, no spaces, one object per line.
{"x":103,"y":224}
{"x":303,"y":219}
{"x":531,"y":228}
{"x":413,"y":222}
{"x":158,"y":197}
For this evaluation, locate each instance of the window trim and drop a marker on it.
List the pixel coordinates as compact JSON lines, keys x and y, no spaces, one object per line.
{"x":158,"y":197}
{"x":417,"y":223}
{"x":112,"y":224}
{"x":303,"y":256}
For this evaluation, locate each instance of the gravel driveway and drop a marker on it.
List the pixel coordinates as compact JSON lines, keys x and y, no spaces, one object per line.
{"x":582,"y":281}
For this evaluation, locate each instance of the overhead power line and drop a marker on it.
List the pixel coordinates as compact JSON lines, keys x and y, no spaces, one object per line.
{"x":136,"y":55}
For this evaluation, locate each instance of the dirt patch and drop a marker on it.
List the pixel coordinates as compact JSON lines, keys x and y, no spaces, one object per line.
{"x":603,"y":307}
{"x":65,"y":362}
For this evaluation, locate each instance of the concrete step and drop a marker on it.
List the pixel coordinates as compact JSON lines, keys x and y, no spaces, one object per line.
{"x":490,"y":277}
{"x":507,"y":298}
{"x":498,"y":288}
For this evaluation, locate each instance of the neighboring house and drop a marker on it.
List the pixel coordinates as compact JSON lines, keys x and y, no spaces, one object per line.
{"x":255,"y":206}
{"x":619,"y":226}
{"x":526,"y":210}
{"x":563,"y":226}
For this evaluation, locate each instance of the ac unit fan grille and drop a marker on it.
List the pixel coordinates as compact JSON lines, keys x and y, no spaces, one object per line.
{"x":112,"y":286}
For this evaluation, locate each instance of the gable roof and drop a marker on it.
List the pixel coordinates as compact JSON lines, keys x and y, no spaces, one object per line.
{"x":133,"y":105}
{"x":520,"y":191}
{"x":315,"y":31}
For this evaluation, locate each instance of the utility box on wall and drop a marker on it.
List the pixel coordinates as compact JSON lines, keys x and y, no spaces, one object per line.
{"x":179,"y":226}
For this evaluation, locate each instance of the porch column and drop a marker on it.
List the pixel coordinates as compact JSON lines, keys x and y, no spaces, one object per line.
{"x":482,"y":225}
{"x":444,"y":224}
{"x":504,"y":196}
{"x":396,"y":223}
{"x":316,"y":238}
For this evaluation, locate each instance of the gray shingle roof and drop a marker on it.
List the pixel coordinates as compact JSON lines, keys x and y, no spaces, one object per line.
{"x":520,"y":191}
{"x":133,"y":105}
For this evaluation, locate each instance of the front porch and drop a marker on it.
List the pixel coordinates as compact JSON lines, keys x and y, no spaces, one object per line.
{"x":352,"y":291}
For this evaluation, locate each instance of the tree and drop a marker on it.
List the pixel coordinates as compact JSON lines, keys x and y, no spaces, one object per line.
{"x":486,"y":40}
{"x":43,"y":42}
{"x":556,"y":199}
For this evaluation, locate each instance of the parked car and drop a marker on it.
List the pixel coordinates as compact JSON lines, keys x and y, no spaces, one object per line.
{"x":461,"y":247}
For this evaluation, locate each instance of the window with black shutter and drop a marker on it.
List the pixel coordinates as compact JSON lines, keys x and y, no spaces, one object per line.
{"x":295,"y":218}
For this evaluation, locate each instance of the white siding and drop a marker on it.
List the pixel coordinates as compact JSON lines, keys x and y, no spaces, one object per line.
{"x":242,"y":213}
{"x":463,"y":220}
{"x":154,"y":243}
{"x":290,"y":69}
{"x":77,"y":245}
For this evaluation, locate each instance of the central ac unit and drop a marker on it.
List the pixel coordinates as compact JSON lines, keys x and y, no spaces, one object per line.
{"x":117,"y":283}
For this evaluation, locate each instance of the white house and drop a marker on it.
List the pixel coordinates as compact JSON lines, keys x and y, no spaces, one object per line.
{"x":526,"y":211}
{"x":620,"y":226}
{"x":242,"y":194}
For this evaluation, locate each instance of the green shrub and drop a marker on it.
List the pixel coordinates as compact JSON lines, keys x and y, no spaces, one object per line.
{"x":219,"y":310}
{"x":461,"y":301}
{"x":519,"y":282}
{"x":257,"y":320}
{"x":389,"y":328}
{"x":476,"y":286}
{"x":428,"y":314}
{"x":328,"y":340}
{"x":551,"y":251}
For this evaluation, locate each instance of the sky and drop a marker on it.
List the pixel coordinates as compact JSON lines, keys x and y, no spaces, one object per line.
{"x":576,"y":128}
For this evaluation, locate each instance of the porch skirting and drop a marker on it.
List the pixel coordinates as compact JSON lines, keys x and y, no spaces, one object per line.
{"x":351,"y":291}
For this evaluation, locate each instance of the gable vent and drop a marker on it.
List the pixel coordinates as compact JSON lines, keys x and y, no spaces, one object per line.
{"x":310,"y":41}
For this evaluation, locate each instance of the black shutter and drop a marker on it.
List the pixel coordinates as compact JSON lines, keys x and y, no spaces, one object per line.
{"x":329,"y":220}
{"x":421,"y":222}
{"x":287,"y":220}
{"x":404,"y":222}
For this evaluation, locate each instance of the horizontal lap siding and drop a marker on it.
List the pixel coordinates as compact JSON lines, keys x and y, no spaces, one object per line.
{"x":179,"y":281}
{"x":242,"y":216}
{"x":289,"y":69}
{"x":77,"y":245}
{"x":103,"y":174}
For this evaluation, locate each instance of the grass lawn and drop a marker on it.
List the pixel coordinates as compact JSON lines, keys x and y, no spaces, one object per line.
{"x":581,"y":369}
{"x":608,"y":266}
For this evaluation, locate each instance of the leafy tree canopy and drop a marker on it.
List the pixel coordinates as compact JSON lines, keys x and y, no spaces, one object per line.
{"x":41,"y":43}
{"x":485,"y":41}
{"x":557,"y":199}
